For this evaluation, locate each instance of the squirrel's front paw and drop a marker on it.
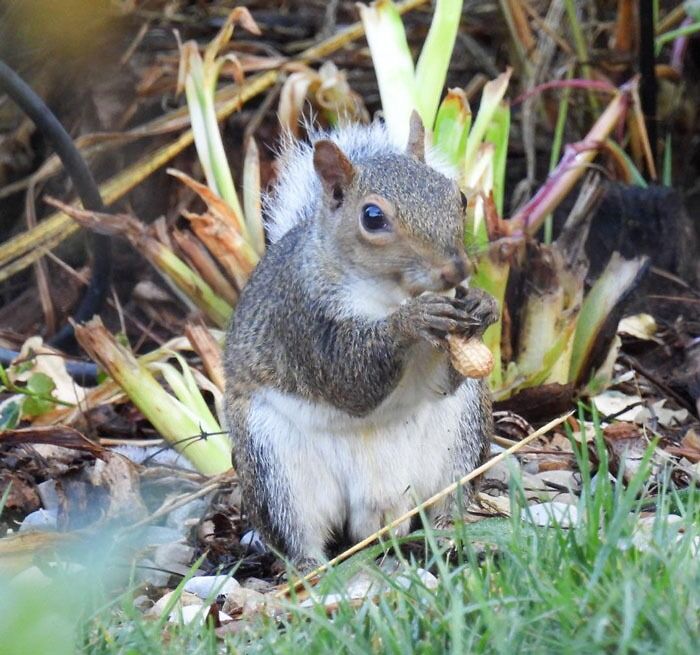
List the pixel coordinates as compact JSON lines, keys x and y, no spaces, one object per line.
{"x":480,"y":306}
{"x":432,"y":317}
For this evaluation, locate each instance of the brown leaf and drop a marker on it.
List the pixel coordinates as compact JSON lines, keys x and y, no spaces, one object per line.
{"x":207,"y":347}
{"x":621,"y":430}
{"x":22,"y":497}
{"x":554,"y":463}
{"x":690,"y":454}
{"x":626,"y":445}
{"x":59,"y":435}
{"x":220,"y":209}
{"x":691,"y":439}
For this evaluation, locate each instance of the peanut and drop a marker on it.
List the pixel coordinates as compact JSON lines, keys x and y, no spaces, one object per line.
{"x":470,"y":357}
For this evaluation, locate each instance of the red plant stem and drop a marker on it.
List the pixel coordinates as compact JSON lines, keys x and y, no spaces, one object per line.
{"x":571,"y":167}
{"x":576,"y":83}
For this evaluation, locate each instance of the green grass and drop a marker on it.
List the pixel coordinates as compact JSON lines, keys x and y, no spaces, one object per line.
{"x":538,"y":590}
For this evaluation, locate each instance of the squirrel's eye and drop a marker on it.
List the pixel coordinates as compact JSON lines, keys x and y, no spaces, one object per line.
{"x":373,"y":219}
{"x":463,"y":198}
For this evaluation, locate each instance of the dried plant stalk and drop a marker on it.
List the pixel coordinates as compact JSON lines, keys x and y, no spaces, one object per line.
{"x":25,"y":248}
{"x":178,"y":422}
{"x":204,"y":264}
{"x":186,"y":283}
{"x":209,"y":349}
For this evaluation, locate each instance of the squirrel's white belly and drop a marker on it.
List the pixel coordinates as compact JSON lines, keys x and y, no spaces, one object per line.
{"x":361,"y":473}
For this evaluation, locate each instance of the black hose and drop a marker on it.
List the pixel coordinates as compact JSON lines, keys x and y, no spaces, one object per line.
{"x":84,"y":373}
{"x":34,"y":107}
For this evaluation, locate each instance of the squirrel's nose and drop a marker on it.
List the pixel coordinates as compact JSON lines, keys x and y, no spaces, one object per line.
{"x":455,"y":271}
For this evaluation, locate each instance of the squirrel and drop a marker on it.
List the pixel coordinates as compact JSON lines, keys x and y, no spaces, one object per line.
{"x":342,"y":403}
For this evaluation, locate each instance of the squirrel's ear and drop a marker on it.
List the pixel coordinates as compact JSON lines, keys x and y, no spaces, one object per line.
{"x":416,"y":137}
{"x":334,"y":169}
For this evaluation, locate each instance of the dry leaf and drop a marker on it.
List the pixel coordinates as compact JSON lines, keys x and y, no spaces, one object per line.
{"x":640,"y":326}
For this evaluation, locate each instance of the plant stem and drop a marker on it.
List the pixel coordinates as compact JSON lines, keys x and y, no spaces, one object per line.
{"x":667,"y":37}
{"x":556,"y":148}
{"x":581,"y":49}
{"x":576,"y":158}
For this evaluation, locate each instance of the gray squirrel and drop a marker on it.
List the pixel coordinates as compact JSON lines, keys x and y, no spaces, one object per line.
{"x":342,"y":403}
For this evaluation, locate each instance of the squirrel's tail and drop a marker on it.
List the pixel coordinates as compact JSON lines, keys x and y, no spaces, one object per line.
{"x":296,"y":194}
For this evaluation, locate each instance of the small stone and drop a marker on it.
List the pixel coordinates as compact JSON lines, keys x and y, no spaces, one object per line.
{"x":428,"y":579}
{"x":559,"y":483}
{"x":196,"y":614}
{"x":178,"y":518}
{"x":529,"y":464}
{"x":502,"y":471}
{"x":42,"y":520}
{"x":361,"y":585}
{"x":560,"y":442}
{"x":567,"y":499}
{"x":560,"y":478}
{"x":329,"y":600}
{"x":256,"y":584}
{"x":149,"y":573}
{"x":254,"y":542}
{"x":208,"y":587}
{"x":48,"y":494}
{"x":174,"y":557}
{"x":643,"y":536}
{"x":189,"y":614}
{"x":185,"y":599}
{"x":244,"y":601}
{"x":31,"y":578}
{"x":155,"y":535}
{"x":551,"y":514}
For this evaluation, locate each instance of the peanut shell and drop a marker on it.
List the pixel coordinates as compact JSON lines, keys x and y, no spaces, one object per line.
{"x":470,"y":357}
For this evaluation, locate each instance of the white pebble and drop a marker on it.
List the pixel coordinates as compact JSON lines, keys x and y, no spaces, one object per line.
{"x":550,"y":514}
{"x":208,"y":587}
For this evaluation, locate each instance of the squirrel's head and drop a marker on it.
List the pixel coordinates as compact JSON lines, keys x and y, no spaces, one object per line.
{"x":397,"y":223}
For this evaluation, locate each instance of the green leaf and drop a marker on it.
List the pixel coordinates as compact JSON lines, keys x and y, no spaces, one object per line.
{"x":633,"y":172}
{"x":41,"y":384}
{"x":393,"y":65}
{"x":497,"y":134}
{"x":434,"y":59}
{"x":666,"y":175}
{"x":38,"y":401}
{"x":452,"y":124}
{"x":619,"y":277}
{"x":33,"y":406}
{"x":9,"y":414}
{"x":491,"y":98}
